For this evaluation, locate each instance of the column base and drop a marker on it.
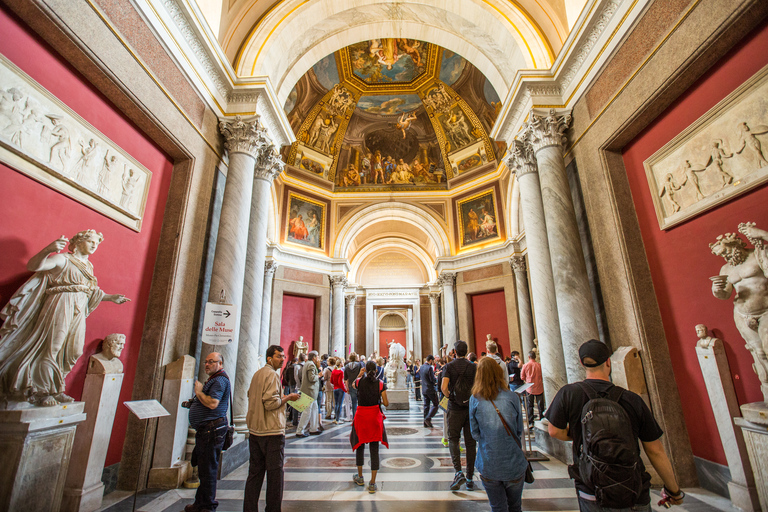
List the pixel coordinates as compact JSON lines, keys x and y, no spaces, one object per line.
{"x":560,"y":450}
{"x":744,"y":497}
{"x":83,"y":500}
{"x":36,"y":443}
{"x":169,"y":478}
{"x":398,"y":400}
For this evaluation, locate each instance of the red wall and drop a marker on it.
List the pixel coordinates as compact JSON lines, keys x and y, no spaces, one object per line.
{"x":680,"y":259}
{"x":386,"y":336}
{"x":489,"y":316}
{"x":298,"y":320}
{"x":34,"y":215}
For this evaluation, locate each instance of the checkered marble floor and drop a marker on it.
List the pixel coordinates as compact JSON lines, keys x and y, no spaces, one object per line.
{"x":416,"y":470}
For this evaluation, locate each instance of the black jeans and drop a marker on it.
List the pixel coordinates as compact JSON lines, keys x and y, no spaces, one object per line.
{"x":458,"y":421}
{"x":430,"y":397}
{"x":208,"y":442}
{"x":542,"y":407}
{"x":417,"y":389}
{"x":267,"y":455}
{"x":373,"y":447}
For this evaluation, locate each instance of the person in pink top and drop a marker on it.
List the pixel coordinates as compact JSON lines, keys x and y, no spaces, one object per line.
{"x":531,"y":372}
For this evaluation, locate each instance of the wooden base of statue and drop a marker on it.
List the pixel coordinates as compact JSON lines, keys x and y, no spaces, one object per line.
{"x":84,"y":490}
{"x":36,"y":443}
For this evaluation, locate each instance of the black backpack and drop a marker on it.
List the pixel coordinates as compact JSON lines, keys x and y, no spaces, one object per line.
{"x":609,"y":457}
{"x":462,"y":391}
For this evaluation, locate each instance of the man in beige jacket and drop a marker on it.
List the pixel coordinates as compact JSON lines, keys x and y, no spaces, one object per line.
{"x":266,"y":428}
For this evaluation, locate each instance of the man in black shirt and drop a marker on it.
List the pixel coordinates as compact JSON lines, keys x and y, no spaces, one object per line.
{"x":564,"y":415}
{"x":459,"y":375}
{"x":514,"y":368}
{"x":427,"y":376}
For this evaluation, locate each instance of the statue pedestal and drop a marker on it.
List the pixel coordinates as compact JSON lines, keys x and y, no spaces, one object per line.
{"x":754,"y":426}
{"x":36,"y":443}
{"x":398,"y":400}
{"x":84,"y":490}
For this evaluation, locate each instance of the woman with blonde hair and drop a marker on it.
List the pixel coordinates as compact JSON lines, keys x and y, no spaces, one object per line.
{"x":497,"y":426}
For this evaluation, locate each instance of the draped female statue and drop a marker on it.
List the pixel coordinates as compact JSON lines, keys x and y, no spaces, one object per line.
{"x":43,"y":330}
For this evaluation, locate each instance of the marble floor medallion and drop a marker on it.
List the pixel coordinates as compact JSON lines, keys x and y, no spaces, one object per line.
{"x":401,"y":431}
{"x":400,"y":463}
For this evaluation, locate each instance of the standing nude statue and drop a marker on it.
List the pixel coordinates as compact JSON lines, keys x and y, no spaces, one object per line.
{"x":43,"y":330}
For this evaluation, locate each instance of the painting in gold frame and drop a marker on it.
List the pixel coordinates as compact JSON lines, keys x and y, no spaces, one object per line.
{"x":305,"y":221}
{"x":478,"y":218}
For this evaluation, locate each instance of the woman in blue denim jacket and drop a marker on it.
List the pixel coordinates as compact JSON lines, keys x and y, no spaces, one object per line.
{"x":500,"y":460}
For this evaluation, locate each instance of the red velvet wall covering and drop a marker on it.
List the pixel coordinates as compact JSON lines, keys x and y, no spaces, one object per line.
{"x":489,"y":316}
{"x":34,"y":215}
{"x":298,"y":320}
{"x":680,"y":259}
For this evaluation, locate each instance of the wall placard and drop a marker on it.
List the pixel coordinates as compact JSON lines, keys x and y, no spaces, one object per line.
{"x":46,"y":140}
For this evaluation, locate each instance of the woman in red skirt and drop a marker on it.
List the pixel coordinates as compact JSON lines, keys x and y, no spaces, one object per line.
{"x":368,"y":425}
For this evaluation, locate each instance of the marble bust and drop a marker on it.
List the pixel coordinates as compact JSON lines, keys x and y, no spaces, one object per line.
{"x":301,"y":347}
{"x":43,"y":331}
{"x":108,"y":360}
{"x":705,"y":340}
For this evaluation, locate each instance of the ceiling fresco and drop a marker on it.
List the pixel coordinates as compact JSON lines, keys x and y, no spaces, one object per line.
{"x":392,"y":114}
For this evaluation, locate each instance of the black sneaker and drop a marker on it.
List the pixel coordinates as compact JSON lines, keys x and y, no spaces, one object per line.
{"x":457,"y":481}
{"x":470,"y":484}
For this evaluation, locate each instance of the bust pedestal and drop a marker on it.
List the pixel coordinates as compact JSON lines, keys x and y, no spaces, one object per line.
{"x":754,"y":425}
{"x":398,"y":399}
{"x":36,"y":443}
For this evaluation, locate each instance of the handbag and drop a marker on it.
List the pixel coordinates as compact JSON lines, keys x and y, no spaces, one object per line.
{"x":528,"y":469}
{"x":229,"y":438}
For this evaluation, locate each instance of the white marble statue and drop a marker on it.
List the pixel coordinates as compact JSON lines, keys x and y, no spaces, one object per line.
{"x":107,"y":361}
{"x":395,"y":369}
{"x":745,"y":272}
{"x":705,"y":340}
{"x":301,"y":347}
{"x":43,"y":330}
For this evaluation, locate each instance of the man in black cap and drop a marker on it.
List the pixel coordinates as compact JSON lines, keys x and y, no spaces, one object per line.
{"x":565,"y":423}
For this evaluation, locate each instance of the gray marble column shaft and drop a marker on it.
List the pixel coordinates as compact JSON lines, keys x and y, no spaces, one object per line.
{"x":270,"y":267}
{"x":267,"y":167}
{"x":523,"y":305}
{"x":575,"y":308}
{"x":434,"y":303}
{"x":450,"y":329}
{"x":243,"y":141}
{"x":351,"y":299}
{"x":542,"y":282}
{"x":338,"y":283}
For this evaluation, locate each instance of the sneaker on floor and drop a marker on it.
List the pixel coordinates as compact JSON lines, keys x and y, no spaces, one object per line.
{"x":470,"y":484}
{"x":335,"y":422}
{"x":372,"y":488}
{"x":358,"y":480}
{"x":445,"y":442}
{"x":457,"y":481}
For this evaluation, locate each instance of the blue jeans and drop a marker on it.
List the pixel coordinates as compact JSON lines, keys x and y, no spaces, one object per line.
{"x":353,"y":397}
{"x":505,"y":496}
{"x":208,"y":442}
{"x":593,"y":506}
{"x":338,"y":399}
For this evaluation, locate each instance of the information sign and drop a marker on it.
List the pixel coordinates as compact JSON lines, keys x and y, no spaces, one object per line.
{"x":219,"y":324}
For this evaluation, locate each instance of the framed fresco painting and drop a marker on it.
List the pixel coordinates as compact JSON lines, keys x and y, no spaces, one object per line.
{"x":478,"y":218}
{"x":305,"y":221}
{"x":720,"y":156}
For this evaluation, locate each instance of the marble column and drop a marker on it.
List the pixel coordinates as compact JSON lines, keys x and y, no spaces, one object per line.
{"x":270,"y":267}
{"x":450,"y":328}
{"x":523,"y":305}
{"x":523,"y":162}
{"x":351,"y":299}
{"x":243,"y":140}
{"x":268,"y":165}
{"x":338,"y":282}
{"x":434,"y":303}
{"x":575,"y":308}
{"x":409,"y":333}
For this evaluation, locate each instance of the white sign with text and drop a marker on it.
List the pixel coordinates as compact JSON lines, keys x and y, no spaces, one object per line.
{"x":219,"y":324}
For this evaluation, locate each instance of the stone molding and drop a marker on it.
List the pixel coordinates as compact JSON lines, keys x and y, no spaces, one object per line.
{"x":543,"y":131}
{"x":338,"y":281}
{"x":518,"y":263}
{"x":522,"y":159}
{"x":243,"y":136}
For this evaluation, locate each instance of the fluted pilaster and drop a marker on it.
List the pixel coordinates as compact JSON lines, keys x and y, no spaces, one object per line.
{"x":351,"y":300}
{"x":338,"y":282}
{"x":270,"y":267}
{"x":450,"y":329}
{"x":434,"y":303}
{"x":523,"y":304}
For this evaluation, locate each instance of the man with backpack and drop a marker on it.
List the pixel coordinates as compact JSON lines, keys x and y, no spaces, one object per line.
{"x":605,"y":422}
{"x":457,"y":386}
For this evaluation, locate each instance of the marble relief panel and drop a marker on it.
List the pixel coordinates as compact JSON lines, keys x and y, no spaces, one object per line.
{"x":720,"y":156}
{"x":43,"y":138}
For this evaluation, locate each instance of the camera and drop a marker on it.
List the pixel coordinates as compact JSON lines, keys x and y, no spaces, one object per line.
{"x":187,"y":403}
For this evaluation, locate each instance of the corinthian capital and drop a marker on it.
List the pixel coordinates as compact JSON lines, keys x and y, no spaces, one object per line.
{"x":338,"y":280}
{"x":447,"y":279}
{"x":518,"y":263}
{"x":242,"y":136}
{"x":270,"y":267}
{"x":268,"y":162}
{"x":351,"y":299}
{"x":543,"y":131}
{"x":522,"y":160}
{"x":434,"y":297}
